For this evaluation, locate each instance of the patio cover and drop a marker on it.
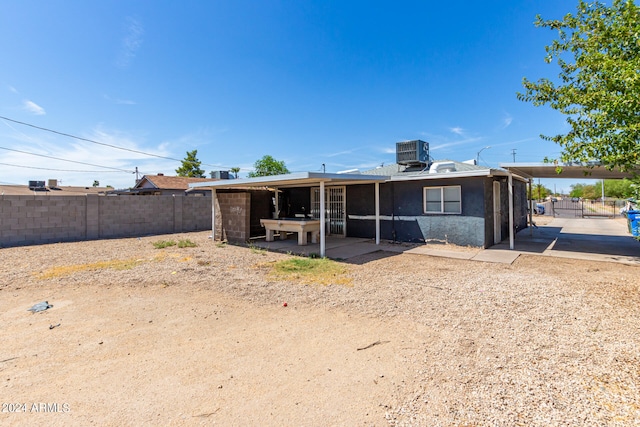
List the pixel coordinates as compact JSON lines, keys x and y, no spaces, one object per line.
{"x":301,"y":179}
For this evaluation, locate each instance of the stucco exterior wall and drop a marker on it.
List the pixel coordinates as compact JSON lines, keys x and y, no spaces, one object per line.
{"x":403,"y":218}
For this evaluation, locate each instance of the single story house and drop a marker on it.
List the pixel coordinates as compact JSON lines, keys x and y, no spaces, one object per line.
{"x":413,"y":200}
{"x":163,"y":185}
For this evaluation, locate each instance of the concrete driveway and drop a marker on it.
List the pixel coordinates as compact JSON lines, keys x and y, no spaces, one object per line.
{"x":598,"y":239}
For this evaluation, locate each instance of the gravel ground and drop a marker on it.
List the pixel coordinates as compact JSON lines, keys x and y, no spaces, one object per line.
{"x":541,"y":342}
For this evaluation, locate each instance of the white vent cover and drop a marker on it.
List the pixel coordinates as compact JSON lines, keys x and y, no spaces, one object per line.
{"x":442,"y":167}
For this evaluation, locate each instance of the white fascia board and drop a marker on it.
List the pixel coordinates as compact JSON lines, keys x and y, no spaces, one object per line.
{"x":293,"y":179}
{"x":445,"y":175}
{"x":460,"y":174}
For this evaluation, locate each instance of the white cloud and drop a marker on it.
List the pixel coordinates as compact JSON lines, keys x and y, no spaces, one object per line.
{"x":454,"y":143}
{"x":506,"y":121}
{"x":457,"y":130}
{"x":84,"y":158}
{"x":120,"y":101}
{"x":131,"y":42}
{"x":12,"y":89}
{"x":341,"y":153}
{"x":33,"y":108}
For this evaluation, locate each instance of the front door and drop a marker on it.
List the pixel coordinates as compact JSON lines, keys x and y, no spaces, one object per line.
{"x":497,"y":214}
{"x":335,"y":209}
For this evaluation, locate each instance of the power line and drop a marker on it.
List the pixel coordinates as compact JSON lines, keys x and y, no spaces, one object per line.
{"x":65,"y":160}
{"x":58,"y":170}
{"x":87,"y":140}
{"x":100,"y":143}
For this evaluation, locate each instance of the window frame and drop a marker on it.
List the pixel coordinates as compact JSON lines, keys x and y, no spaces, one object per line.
{"x":442,"y":200}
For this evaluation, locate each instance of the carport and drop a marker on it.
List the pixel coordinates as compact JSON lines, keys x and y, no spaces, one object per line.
{"x":298,"y":180}
{"x":588,"y":237}
{"x":569,"y":171}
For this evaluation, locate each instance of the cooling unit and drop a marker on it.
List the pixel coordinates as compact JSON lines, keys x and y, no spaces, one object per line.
{"x":412,"y":153}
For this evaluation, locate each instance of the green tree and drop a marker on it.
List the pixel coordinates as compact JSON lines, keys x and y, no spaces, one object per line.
{"x":235,"y":171}
{"x":592,"y":192}
{"x":268,"y":166}
{"x":598,"y":52}
{"x":618,"y":188}
{"x":96,"y":183}
{"x":191,"y":166}
{"x":578,"y":190}
{"x":540,"y":192}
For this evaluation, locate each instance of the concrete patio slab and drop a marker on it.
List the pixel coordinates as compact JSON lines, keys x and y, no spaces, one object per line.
{"x":427,"y":250}
{"x":587,"y":239}
{"x":501,"y":256}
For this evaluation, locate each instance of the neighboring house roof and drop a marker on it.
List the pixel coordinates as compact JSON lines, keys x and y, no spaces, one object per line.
{"x":23,"y":190}
{"x":162,"y":182}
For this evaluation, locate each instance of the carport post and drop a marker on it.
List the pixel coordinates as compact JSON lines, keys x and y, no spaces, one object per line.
{"x":277,"y":202}
{"x":530,"y":207}
{"x":322,"y":231}
{"x":213,"y":214}
{"x":511,"y":237}
{"x":377,"y":198}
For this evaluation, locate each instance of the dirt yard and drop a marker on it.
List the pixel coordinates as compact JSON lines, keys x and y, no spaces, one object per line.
{"x":201,"y":336}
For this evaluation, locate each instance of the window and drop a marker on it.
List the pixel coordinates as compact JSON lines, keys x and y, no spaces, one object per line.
{"x":442,"y":200}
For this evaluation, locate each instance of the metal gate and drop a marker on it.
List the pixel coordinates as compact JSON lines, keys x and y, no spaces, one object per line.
{"x":335,"y":209}
{"x":566,"y":208}
{"x":579,"y":208}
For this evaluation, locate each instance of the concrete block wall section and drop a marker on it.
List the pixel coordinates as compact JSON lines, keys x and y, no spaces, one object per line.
{"x":234,"y":218}
{"x":193,"y":215}
{"x":27,"y":220}
{"x":39,"y":219}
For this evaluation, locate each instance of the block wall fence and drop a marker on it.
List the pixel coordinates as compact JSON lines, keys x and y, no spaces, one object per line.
{"x":31,"y":220}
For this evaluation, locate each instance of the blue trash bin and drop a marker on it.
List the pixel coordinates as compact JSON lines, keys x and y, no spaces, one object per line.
{"x":634,"y":223}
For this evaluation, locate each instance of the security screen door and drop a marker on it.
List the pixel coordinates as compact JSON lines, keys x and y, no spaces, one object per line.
{"x":335,"y":209}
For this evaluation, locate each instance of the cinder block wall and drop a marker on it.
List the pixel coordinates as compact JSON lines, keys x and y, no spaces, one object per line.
{"x":233,"y":216}
{"x":27,"y":220}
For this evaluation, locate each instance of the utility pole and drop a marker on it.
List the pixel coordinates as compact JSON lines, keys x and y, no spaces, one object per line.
{"x":513,"y":153}
{"x":137,"y":175}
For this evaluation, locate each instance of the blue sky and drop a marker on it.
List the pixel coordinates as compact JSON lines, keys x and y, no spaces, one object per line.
{"x":308,"y":82}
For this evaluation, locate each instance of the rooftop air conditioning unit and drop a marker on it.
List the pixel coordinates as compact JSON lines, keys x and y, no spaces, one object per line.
{"x":412,"y":152}
{"x":37,"y":186}
{"x":220,"y":174}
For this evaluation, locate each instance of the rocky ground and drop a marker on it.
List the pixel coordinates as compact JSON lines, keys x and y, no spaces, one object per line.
{"x":200,"y":336}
